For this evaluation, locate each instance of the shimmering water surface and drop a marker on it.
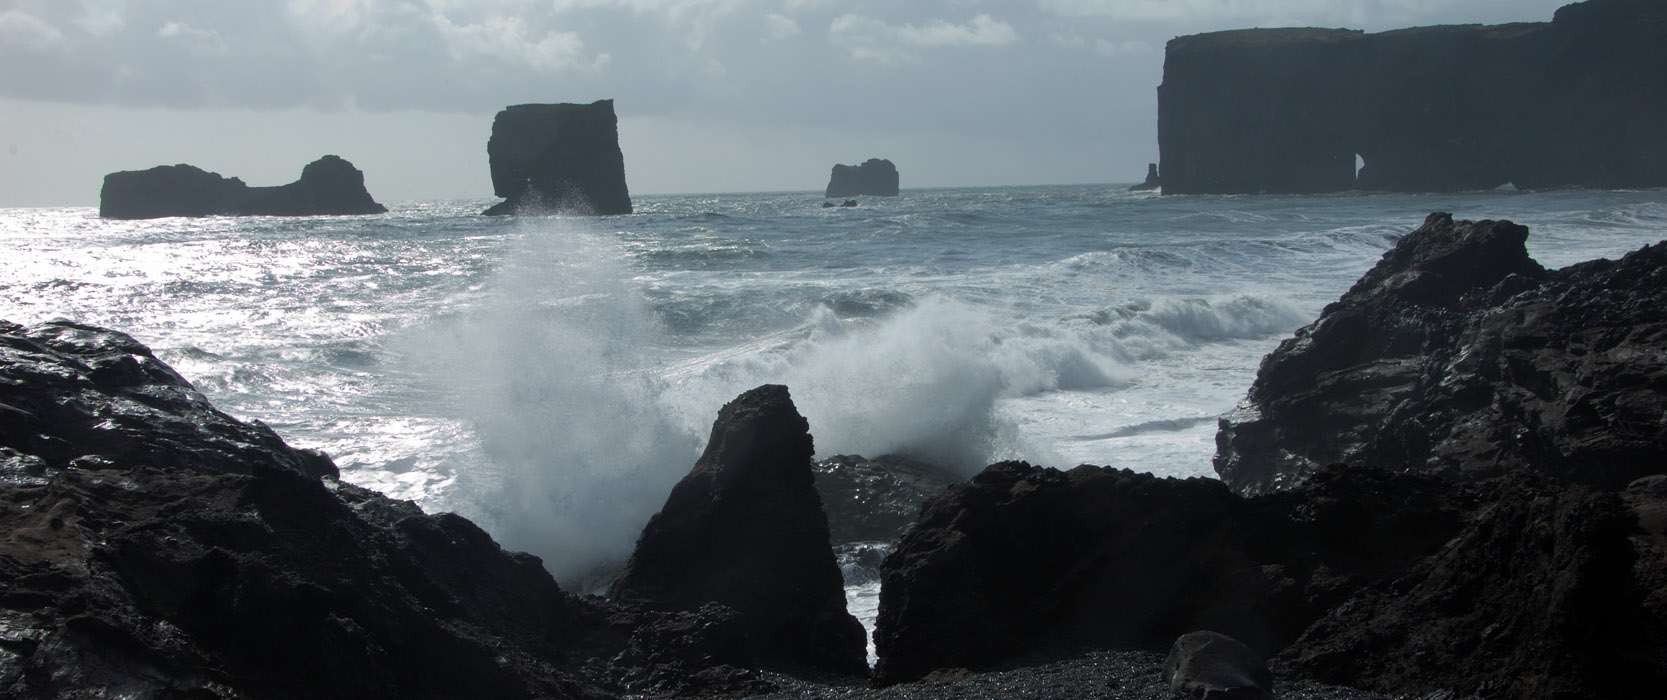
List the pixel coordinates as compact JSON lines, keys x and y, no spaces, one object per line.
{"x":553,"y":376}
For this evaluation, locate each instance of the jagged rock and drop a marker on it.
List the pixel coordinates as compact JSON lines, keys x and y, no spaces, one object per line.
{"x":1212,"y":665}
{"x":1572,"y":102}
{"x":328,"y":186}
{"x":1457,"y":353}
{"x":745,"y":529}
{"x":1536,"y":597}
{"x":1152,"y":181}
{"x":875,"y":500}
{"x":1024,"y":561}
{"x":558,"y":158}
{"x":876,"y":177}
{"x":154,"y":546}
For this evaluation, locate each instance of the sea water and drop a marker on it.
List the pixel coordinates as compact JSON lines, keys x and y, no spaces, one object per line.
{"x":552,"y":377}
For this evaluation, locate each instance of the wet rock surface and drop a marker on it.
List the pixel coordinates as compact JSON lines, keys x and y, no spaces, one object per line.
{"x":558,"y":158}
{"x":745,"y":529}
{"x":328,"y":186}
{"x":1212,"y":665}
{"x":876,"y":177}
{"x":1459,"y":354}
{"x":154,"y":546}
{"x":1024,"y":560}
{"x":1536,"y":597}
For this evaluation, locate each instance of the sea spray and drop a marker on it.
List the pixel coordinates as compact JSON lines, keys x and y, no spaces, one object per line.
{"x":549,"y":370}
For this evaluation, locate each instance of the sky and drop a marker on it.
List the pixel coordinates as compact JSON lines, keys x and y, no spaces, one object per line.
{"x":712,"y":95}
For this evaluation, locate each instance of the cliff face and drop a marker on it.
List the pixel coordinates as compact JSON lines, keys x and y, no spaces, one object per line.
{"x":558,"y":158}
{"x":1576,"y":102}
{"x":328,"y":186}
{"x":876,"y":177}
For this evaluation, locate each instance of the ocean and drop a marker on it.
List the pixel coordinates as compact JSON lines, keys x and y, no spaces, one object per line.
{"x":552,"y":377}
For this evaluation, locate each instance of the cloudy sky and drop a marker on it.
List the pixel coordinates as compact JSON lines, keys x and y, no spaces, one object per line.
{"x":713,"y":95}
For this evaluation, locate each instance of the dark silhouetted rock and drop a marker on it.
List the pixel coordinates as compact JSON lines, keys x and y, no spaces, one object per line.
{"x":745,"y":529}
{"x":1212,"y":665}
{"x":875,"y":500}
{"x":1536,"y":597}
{"x":1025,"y":562}
{"x":558,"y":158}
{"x":1570,"y":103}
{"x":1457,"y":353}
{"x":1152,"y":181}
{"x":155,"y":546}
{"x":876,"y":177}
{"x":328,"y":186}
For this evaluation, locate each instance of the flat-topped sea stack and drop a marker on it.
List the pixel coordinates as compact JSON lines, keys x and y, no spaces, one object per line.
{"x":876,"y":177}
{"x":328,"y":186}
{"x":1575,"y":102}
{"x":558,"y":158}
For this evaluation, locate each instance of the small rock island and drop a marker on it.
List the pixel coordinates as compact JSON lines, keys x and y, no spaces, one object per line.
{"x":328,"y":186}
{"x":1575,"y":102}
{"x":1152,"y":181}
{"x":876,"y":177}
{"x":558,"y":158}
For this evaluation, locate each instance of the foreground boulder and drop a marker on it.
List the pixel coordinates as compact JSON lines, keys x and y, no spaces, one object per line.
{"x":1400,"y":583}
{"x":155,"y":546}
{"x":1536,"y":597}
{"x":558,"y":158}
{"x":1024,"y":561}
{"x":1458,"y":353}
{"x":1212,"y":665}
{"x":876,"y":177}
{"x":745,"y":529}
{"x":328,"y":186}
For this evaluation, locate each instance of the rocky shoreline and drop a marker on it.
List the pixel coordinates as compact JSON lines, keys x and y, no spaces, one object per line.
{"x":154,"y":546}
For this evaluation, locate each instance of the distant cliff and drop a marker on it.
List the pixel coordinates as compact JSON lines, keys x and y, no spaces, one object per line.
{"x":558,"y":158}
{"x":1576,"y":102}
{"x":328,"y":186}
{"x":875,"y":177}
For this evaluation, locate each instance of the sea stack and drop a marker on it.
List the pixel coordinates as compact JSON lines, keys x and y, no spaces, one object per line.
{"x":1152,"y":181}
{"x":876,"y":177}
{"x":1575,"y":102}
{"x":558,"y":158}
{"x":328,"y":186}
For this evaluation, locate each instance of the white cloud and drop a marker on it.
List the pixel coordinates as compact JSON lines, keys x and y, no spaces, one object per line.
{"x":1101,"y":46}
{"x":869,"y":39}
{"x":101,"y":18}
{"x":508,"y":39}
{"x":21,"y":30}
{"x":778,"y":27}
{"x":203,"y":41}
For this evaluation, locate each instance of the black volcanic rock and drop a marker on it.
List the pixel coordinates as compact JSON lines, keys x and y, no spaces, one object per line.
{"x":558,"y":158}
{"x":876,"y":177}
{"x":1535,"y":598}
{"x":155,"y":546}
{"x":1576,"y":102}
{"x":1459,"y":354}
{"x":745,"y":530}
{"x":1407,"y":584}
{"x":1025,"y":562}
{"x":328,"y":186}
{"x":1208,"y":664}
{"x":1151,"y":182}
